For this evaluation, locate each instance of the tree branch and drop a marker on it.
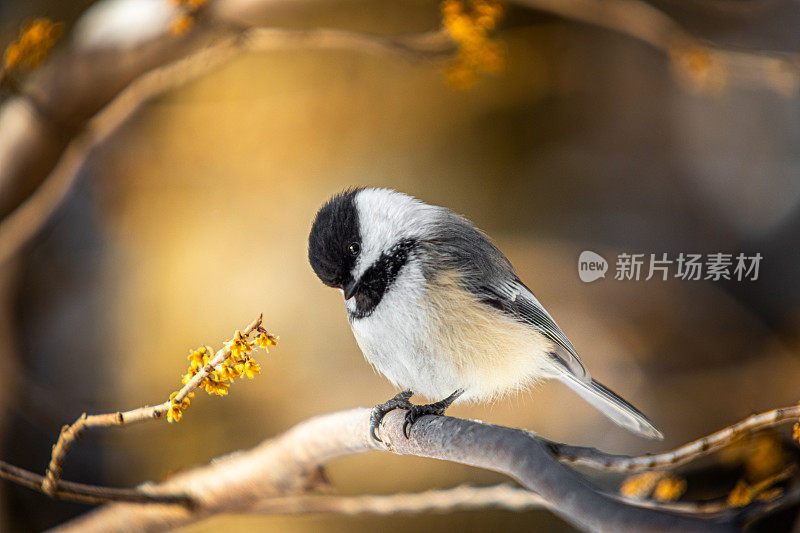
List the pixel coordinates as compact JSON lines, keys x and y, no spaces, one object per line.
{"x":74,"y":103}
{"x":243,"y":482}
{"x":24,"y":113}
{"x":590,"y":457}
{"x":79,"y":492}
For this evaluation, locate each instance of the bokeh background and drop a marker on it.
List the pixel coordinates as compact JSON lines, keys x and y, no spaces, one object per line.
{"x":193,"y":219}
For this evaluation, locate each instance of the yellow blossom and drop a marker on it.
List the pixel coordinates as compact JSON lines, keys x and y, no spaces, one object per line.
{"x":669,"y":489}
{"x":215,"y":387}
{"x":181,"y":25}
{"x":198,"y":358}
{"x":251,"y":369}
{"x":470,"y":28}
{"x":744,"y":493}
{"x":239,"y":346}
{"x":184,"y":403}
{"x":265,"y":340}
{"x":226,"y":373}
{"x":641,"y":485}
{"x":34,"y":42}
{"x":188,"y":376}
{"x":796,"y":431}
{"x":741,"y":495}
{"x":174,"y":414}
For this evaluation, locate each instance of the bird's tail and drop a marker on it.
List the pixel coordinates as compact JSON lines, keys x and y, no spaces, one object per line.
{"x":613,"y":406}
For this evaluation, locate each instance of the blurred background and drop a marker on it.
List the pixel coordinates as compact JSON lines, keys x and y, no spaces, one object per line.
{"x":193,"y":218}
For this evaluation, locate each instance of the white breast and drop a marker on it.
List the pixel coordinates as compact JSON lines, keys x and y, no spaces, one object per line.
{"x":395,"y":341}
{"x":436,"y":340}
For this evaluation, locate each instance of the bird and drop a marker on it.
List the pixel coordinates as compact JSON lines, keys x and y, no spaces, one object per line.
{"x":439,"y":310}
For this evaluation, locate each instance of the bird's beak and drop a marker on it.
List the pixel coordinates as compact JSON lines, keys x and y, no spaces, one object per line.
{"x":349,"y":288}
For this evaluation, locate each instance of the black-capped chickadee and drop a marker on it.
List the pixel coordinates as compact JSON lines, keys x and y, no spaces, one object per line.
{"x":439,"y":310}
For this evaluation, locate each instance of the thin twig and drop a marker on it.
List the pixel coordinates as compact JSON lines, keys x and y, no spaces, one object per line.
{"x":593,"y":458}
{"x":71,"y":432}
{"x":80,"y":492}
{"x":639,"y":20}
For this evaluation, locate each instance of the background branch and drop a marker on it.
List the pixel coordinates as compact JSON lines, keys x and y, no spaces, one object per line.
{"x":74,"y":103}
{"x":590,"y":457}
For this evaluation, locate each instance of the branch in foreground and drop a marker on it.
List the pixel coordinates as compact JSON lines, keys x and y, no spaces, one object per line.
{"x":243,"y":481}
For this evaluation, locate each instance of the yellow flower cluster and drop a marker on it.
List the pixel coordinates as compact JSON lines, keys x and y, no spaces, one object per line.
{"x":663,"y":486}
{"x":744,"y":493}
{"x":641,"y":485}
{"x":176,"y":409}
{"x":35,"y":41}
{"x":796,"y":431}
{"x":469,"y":23}
{"x":237,"y":364}
{"x":669,"y":489}
{"x":184,"y":22}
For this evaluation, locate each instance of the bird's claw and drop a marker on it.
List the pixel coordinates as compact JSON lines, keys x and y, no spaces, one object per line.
{"x":415,"y":412}
{"x":412,"y":415}
{"x":379,"y":411}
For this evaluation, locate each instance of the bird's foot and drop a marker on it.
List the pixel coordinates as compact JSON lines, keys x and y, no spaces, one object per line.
{"x":379,"y":411}
{"x":437,"y":408}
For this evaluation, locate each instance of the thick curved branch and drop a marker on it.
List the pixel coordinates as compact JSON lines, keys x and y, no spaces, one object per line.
{"x":283,"y":466}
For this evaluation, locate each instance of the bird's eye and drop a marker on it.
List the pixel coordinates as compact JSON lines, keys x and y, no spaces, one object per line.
{"x":354,"y":248}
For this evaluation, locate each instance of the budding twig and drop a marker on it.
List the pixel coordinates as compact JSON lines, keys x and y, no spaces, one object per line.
{"x":69,"y":433}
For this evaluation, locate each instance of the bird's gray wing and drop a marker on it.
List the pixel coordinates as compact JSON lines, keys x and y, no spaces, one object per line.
{"x":456,"y":244}
{"x":515,"y":299}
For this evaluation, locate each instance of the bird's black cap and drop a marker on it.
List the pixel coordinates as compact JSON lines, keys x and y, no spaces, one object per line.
{"x":335,"y":228}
